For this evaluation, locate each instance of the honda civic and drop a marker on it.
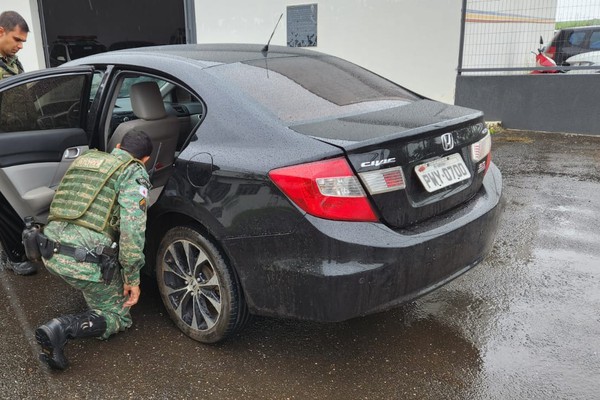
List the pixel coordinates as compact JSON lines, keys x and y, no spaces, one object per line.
{"x":286,"y":182}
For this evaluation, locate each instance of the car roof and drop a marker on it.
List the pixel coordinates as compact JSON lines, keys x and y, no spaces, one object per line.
{"x":582,"y":28}
{"x":209,"y":54}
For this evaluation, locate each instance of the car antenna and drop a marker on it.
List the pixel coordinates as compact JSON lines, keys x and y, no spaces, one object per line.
{"x":266,"y":48}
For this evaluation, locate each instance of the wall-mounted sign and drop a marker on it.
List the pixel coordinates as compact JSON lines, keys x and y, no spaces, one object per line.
{"x":302,"y":25}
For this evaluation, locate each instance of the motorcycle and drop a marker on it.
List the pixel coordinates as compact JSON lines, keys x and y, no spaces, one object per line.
{"x":543,"y":60}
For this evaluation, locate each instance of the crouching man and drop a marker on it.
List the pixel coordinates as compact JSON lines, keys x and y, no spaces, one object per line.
{"x":97,"y":221}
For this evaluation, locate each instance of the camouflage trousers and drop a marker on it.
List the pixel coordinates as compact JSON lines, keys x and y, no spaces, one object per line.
{"x":106,"y":300}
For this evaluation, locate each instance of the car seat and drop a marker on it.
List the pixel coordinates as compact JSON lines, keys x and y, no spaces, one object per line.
{"x":163,"y":129}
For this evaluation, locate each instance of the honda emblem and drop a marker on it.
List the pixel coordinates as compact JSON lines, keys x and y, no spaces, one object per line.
{"x":447,"y":141}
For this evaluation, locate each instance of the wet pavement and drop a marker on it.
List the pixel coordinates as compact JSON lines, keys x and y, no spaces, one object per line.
{"x":524,"y":324}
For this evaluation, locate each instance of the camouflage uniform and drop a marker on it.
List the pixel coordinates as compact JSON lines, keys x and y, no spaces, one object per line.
{"x":10,"y":66}
{"x":129,"y":212}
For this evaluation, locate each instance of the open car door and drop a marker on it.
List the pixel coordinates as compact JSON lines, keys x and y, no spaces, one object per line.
{"x":42,"y":130}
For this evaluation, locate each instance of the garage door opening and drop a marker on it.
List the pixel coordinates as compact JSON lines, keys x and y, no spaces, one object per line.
{"x":77,"y":28}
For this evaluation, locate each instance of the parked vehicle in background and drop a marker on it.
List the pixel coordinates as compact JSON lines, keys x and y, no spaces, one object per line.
{"x":67,"y":48}
{"x":568,"y":42}
{"x":286,"y":182}
{"x":129,"y":44}
{"x":585,"y":60}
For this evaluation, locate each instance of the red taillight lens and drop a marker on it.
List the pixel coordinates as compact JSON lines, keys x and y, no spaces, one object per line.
{"x":551,"y":52}
{"x":326,"y":189}
{"x":488,"y":160}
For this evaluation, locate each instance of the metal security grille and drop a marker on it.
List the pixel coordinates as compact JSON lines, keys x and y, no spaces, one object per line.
{"x":503,"y":36}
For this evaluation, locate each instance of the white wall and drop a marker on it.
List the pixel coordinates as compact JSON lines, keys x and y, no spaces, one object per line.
{"x":413,"y":43}
{"x":32,"y":54}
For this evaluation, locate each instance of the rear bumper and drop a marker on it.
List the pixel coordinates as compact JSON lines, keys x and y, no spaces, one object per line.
{"x":333,"y":271}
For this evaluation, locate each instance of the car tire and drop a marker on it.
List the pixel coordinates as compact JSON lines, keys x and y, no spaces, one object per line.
{"x":198,"y":288}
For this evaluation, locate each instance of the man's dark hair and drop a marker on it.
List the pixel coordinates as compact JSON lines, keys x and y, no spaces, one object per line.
{"x":137,"y":143}
{"x":9,"y":20}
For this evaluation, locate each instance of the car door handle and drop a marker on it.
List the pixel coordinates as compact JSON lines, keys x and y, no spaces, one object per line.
{"x":72,"y":152}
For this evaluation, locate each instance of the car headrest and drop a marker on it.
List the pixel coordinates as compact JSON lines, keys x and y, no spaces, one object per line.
{"x":146,"y":101}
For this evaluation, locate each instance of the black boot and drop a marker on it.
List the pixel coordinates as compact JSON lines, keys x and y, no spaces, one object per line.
{"x":23,"y":268}
{"x":53,"y":335}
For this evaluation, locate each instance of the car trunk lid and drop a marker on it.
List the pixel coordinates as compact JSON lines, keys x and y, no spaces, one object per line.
{"x":423,"y":140}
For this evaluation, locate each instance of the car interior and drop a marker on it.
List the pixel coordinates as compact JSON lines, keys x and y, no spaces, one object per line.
{"x":152,"y":118}
{"x":167,"y":112}
{"x":34,"y":129}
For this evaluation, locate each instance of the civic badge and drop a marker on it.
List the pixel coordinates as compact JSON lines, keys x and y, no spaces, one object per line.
{"x":447,"y":141}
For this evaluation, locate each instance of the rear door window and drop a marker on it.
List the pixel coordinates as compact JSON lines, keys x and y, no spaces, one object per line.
{"x":80,"y":50}
{"x":577,"y":38}
{"x":59,"y":50}
{"x":595,"y":40}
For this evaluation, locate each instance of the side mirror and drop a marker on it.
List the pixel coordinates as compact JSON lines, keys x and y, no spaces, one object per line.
{"x":541,"y":41}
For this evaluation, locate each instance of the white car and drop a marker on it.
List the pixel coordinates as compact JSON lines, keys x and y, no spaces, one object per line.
{"x":584,"y":60}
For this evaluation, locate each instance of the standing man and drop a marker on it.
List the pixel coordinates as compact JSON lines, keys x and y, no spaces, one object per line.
{"x":13,"y":33}
{"x":100,"y":202}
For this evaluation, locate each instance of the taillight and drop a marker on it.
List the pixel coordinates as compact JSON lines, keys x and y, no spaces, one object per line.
{"x":480,"y":150}
{"x":383,"y":180}
{"x":488,"y":160}
{"x":551,"y":52}
{"x":326,"y":189}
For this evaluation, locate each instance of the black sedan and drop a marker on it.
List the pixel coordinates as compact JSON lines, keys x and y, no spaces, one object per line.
{"x":287,"y":182}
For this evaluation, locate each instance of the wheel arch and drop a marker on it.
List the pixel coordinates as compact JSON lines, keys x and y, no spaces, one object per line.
{"x":171,"y":219}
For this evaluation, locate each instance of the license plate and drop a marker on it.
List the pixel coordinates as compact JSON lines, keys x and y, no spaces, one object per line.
{"x":445,"y":171}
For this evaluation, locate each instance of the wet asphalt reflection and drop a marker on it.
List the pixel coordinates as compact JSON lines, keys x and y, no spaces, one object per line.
{"x":523,"y":324}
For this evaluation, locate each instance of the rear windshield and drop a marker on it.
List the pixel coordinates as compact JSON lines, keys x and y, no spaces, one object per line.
{"x":305,"y":88}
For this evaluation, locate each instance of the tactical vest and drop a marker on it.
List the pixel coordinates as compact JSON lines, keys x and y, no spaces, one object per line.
{"x":6,"y":70}
{"x":87,"y":194}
